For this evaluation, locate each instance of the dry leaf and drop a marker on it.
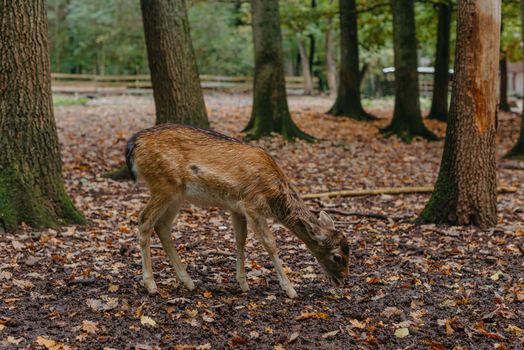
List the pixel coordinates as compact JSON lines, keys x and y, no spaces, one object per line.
{"x":89,"y":327}
{"x":330,"y":334}
{"x":307,"y":315}
{"x":357,"y":324}
{"x":147,"y":321}
{"x":496,"y":275}
{"x":113,"y":288}
{"x":43,"y":341}
{"x":293,"y":337}
{"x":401,"y":332}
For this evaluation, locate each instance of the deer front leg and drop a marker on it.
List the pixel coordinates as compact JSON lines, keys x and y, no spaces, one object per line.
{"x":267,"y":239}
{"x":240,"y":228}
{"x":147,"y":219}
{"x":163,"y":230}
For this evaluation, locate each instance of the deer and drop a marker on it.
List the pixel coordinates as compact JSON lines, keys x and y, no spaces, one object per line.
{"x":180,"y":163}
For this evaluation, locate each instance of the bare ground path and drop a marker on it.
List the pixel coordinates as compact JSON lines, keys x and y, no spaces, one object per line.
{"x":419,"y":287}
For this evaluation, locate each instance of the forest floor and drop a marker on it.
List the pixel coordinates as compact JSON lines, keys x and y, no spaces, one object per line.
{"x":410,"y":286}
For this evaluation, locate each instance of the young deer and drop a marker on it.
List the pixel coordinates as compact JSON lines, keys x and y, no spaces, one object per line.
{"x":204,"y":167}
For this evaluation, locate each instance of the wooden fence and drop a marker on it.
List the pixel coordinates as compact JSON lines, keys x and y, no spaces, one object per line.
{"x":136,"y":84}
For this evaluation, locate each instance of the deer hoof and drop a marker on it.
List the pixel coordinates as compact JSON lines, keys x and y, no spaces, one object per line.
{"x":151,"y":286}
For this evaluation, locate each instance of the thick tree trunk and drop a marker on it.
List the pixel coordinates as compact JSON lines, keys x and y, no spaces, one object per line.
{"x":306,"y":71}
{"x":517,"y":152}
{"x":407,"y":120}
{"x":270,"y":110}
{"x":174,"y":73}
{"x":503,"y":101}
{"x":31,"y":183}
{"x":465,"y":191}
{"x":439,"y":102}
{"x":348,"y":102}
{"x":331,"y":71}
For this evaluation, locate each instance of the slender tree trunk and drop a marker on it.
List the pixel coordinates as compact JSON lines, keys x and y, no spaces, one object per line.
{"x":31,"y":183}
{"x":439,"y":102}
{"x":407,"y":120}
{"x":348,"y":102}
{"x":312,"y":45}
{"x":306,"y":71}
{"x":465,"y":191}
{"x":331,"y":71}
{"x":270,"y":110}
{"x":503,"y":102}
{"x":517,"y":152}
{"x":174,"y":73}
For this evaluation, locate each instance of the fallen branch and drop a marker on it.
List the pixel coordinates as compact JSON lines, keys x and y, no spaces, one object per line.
{"x":388,"y":190}
{"x":353,"y":213}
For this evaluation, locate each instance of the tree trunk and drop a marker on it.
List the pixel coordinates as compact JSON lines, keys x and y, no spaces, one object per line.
{"x":465,"y":191}
{"x":312,"y":44}
{"x":503,"y":102}
{"x":348,"y":102}
{"x":517,"y":152}
{"x":331,"y":73}
{"x":306,"y":71}
{"x":407,"y":120}
{"x":439,"y":101}
{"x":31,"y":184}
{"x":270,"y":110}
{"x":174,"y":73}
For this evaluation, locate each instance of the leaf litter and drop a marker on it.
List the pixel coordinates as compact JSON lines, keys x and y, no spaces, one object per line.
{"x":428,"y":286}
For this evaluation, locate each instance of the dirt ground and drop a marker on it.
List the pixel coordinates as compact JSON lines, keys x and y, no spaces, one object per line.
{"x":410,"y":286}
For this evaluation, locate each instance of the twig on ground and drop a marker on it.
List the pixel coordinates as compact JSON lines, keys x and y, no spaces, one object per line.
{"x":353,"y":213}
{"x":388,"y":190}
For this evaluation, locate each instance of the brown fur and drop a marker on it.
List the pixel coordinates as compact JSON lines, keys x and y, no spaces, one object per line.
{"x":178,"y":162}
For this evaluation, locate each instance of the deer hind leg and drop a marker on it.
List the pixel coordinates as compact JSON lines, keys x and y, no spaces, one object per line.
{"x":267,"y":239}
{"x":148,"y":218}
{"x":240,"y":228}
{"x":163,"y":230}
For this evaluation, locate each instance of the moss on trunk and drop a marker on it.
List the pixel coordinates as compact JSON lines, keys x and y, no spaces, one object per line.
{"x":31,"y":184}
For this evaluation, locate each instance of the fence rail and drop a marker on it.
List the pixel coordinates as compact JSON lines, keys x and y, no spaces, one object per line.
{"x":107,"y":84}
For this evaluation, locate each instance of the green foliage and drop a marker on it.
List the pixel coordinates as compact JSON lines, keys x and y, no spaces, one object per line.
{"x":222,"y":38}
{"x":96,"y":36}
{"x":511,"y":37}
{"x":67,"y":100}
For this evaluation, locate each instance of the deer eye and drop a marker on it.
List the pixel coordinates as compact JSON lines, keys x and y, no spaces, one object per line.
{"x":337,"y":258}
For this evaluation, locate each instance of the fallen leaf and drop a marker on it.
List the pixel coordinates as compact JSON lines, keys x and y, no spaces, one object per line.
{"x":307,"y":315}
{"x":357,"y":324}
{"x":293,"y":337}
{"x":391,"y":311}
{"x":147,"y":321}
{"x":89,"y":327}
{"x":479,"y":327}
{"x":46,"y":342}
{"x":113,"y":288}
{"x":496,"y":275}
{"x":401,"y":332}
{"x":24,"y":284}
{"x":513,"y":329}
{"x":330,"y":334}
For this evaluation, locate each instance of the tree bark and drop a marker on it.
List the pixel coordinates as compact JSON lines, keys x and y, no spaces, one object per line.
{"x":503,"y":102}
{"x":465,"y":191}
{"x":31,"y":184}
{"x":439,"y":101}
{"x":306,"y":70}
{"x":407,"y":120}
{"x":517,"y":152}
{"x":270,"y":112}
{"x":331,"y":73}
{"x":348,"y":102}
{"x":174,"y":73}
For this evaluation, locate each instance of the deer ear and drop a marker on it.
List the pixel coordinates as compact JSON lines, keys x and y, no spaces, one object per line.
{"x":326,"y":220}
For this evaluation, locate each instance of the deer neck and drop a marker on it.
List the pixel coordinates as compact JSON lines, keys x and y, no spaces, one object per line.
{"x":293,"y":213}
